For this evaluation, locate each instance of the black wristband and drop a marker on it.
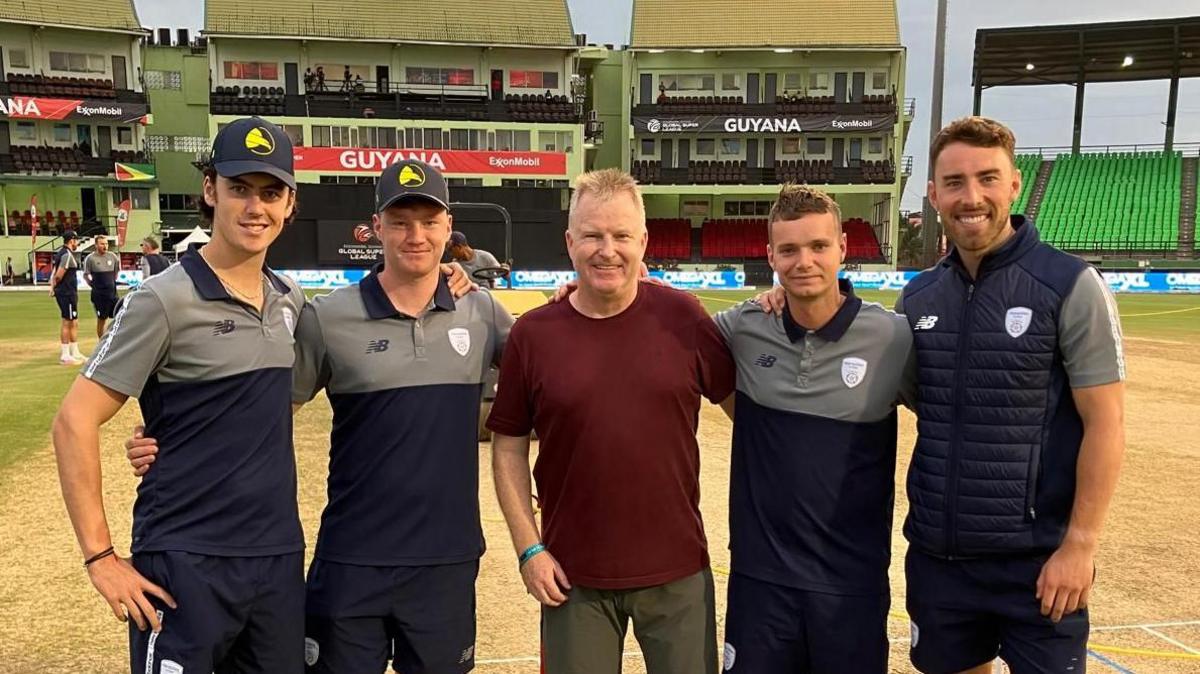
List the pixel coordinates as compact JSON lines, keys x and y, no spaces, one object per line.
{"x":97,"y":557}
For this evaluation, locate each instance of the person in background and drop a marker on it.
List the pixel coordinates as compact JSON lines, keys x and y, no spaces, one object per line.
{"x":470,"y":258}
{"x":64,"y":288}
{"x":153,"y":262}
{"x":100,"y":271}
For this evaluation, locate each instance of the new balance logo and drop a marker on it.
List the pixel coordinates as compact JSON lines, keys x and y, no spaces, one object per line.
{"x":222,"y":327}
{"x":765,"y":360}
{"x":926,"y":323}
{"x":377,"y":346}
{"x":468,"y":655}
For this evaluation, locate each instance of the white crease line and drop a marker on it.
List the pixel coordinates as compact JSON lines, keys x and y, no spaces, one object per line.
{"x":1169,"y":640}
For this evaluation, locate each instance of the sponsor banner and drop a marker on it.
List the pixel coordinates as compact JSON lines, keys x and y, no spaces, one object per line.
{"x":685,"y":280}
{"x":324,"y":279}
{"x":772,"y":125}
{"x":1118,"y":282}
{"x":30,"y":107}
{"x":347,"y":242}
{"x":374,"y":160}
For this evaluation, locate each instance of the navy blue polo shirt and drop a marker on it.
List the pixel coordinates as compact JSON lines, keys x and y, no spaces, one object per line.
{"x":814,"y":445}
{"x":405,"y":392}
{"x":213,"y":377}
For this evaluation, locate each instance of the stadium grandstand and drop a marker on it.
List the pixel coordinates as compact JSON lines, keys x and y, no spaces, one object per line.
{"x":73,"y":111}
{"x":723,"y":111}
{"x":495,"y":98}
{"x":1108,"y":203}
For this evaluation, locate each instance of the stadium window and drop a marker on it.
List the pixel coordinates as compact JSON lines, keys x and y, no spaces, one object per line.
{"x":62,"y":133}
{"x":76,"y":62}
{"x":879,"y":80}
{"x":503,"y":140}
{"x":555,"y":141}
{"x":731,"y":208}
{"x":648,"y":147}
{"x":432,"y":139}
{"x":694,"y":208}
{"x":521,"y":140}
{"x":328,"y":180}
{"x":793,"y":82}
{"x":320,"y":136}
{"x":729,"y":82}
{"x":706,"y":147}
{"x":25,"y":131}
{"x":508,"y":182}
{"x":251,"y":70}
{"x":18,"y":58}
{"x":791,"y":146}
{"x":731,"y":146}
{"x":139,"y":198}
{"x":124,"y":135}
{"x":460,"y":139}
{"x":688,"y":82}
{"x":818,"y":81}
{"x":339,"y":136}
{"x":450,"y":76}
{"x":875,"y":145}
{"x":295,"y":133}
{"x":816,"y":146}
{"x":190,"y":144}
{"x":762,"y":208}
{"x":532,"y":79}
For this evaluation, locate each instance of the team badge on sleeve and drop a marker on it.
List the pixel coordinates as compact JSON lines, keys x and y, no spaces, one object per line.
{"x":1017,"y":321}
{"x":854,"y":370}
{"x":460,"y":339}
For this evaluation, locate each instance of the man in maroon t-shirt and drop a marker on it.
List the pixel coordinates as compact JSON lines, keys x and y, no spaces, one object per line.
{"x":611,"y":381}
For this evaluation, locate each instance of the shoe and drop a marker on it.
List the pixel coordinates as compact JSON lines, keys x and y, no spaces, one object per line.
{"x":68,"y":360}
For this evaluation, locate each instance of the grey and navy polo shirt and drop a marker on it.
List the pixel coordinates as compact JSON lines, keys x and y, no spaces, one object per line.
{"x":68,"y":285}
{"x":213,"y":377}
{"x":405,"y":391}
{"x":103,"y":269}
{"x":814,"y":445}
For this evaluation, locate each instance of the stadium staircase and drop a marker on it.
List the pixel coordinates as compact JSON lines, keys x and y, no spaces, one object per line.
{"x":1187,"y":207}
{"x":1038,"y":189}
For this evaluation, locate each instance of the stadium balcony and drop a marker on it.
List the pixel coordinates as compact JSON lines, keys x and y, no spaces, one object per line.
{"x":49,"y":223}
{"x":783,"y":105}
{"x":741,"y":238}
{"x":36,"y":159}
{"x":43,"y":86}
{"x":367,"y":100}
{"x":670,"y":239}
{"x":1124,"y":202}
{"x":734,"y":172}
{"x":247,"y":101}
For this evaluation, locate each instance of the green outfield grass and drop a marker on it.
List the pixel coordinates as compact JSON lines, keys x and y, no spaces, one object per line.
{"x":34,"y":382}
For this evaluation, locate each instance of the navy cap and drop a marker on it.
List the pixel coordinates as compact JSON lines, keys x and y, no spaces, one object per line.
{"x":411,"y":179}
{"x":68,"y":235}
{"x":458,"y":238}
{"x":253,"y":145}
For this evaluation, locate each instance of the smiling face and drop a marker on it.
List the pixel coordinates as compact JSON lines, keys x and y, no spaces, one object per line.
{"x":413,"y":233}
{"x":973,"y":189}
{"x":606,"y":240}
{"x":806,"y":253}
{"x":248,"y":210}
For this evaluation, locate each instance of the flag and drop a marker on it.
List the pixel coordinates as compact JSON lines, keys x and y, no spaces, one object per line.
{"x":126,"y":171}
{"x":33,"y":222}
{"x":122,"y":222}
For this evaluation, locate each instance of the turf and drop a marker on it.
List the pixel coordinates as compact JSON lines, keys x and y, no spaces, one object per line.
{"x":34,"y":382}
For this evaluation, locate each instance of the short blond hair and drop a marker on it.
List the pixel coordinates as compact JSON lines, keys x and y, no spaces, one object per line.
{"x":606,"y":184}
{"x":795,"y":201}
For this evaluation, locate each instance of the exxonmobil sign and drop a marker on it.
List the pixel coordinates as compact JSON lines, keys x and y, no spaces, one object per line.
{"x":374,"y":160}
{"x":30,"y":107}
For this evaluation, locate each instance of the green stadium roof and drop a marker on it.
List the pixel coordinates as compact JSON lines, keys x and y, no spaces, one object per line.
{"x":111,"y":15}
{"x":524,"y":23}
{"x":750,"y":24}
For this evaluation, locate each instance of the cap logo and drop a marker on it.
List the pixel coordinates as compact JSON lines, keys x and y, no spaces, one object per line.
{"x":259,"y":141}
{"x":412,"y":176}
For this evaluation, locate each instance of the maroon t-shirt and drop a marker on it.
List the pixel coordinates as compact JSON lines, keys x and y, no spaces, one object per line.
{"x":615,"y":402}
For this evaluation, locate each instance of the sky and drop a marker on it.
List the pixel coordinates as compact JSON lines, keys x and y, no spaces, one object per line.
{"x":1123,"y":113}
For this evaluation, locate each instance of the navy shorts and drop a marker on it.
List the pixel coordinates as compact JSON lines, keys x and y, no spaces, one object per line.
{"x":68,"y":306}
{"x":422,"y":618}
{"x":236,"y":615}
{"x":968,"y":612}
{"x":105,"y":305}
{"x":772,"y":629}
